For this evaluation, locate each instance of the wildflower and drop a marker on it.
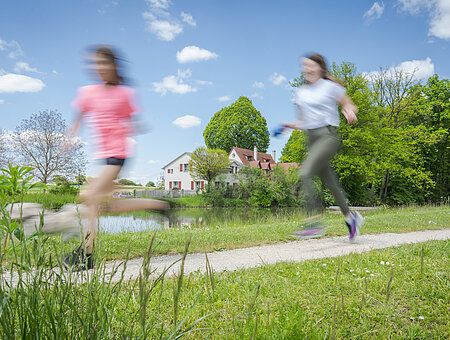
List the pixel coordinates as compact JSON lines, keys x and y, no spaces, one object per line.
{"x":387,"y":263}
{"x":351,"y":270}
{"x":372,"y":275}
{"x":382,"y":262}
{"x":411,"y":318}
{"x":353,"y":274}
{"x":367,"y":271}
{"x":324,"y":264}
{"x":421,"y":318}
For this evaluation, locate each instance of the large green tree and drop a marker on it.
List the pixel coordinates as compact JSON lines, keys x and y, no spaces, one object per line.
{"x":240,"y":125}
{"x":207,"y":164}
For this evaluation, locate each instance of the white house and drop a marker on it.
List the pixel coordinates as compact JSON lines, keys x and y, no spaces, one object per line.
{"x":177,"y":176}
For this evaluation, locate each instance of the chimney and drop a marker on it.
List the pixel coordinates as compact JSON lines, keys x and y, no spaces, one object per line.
{"x":273,"y":156}
{"x":255,"y":153}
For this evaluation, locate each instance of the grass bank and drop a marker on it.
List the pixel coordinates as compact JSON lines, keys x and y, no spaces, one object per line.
{"x":267,"y":230}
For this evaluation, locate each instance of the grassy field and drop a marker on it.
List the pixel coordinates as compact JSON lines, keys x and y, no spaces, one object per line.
{"x":399,"y":293}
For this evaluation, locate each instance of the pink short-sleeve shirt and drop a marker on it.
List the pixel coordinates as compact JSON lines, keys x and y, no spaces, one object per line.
{"x":109,"y":110}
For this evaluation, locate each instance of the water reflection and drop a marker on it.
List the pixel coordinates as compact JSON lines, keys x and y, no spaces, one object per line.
{"x":140,"y":221}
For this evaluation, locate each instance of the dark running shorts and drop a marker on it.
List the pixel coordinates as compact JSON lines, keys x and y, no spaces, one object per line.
{"x":115,"y":161}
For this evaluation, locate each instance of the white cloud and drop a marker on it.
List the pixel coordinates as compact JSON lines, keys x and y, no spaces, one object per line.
{"x":10,"y":83}
{"x":23,"y":66}
{"x":175,"y":84}
{"x":54,"y":72}
{"x":204,"y":82}
{"x":159,"y":4}
{"x":277,"y":79}
{"x":438,"y":10}
{"x":153,"y":161}
{"x":224,"y":98}
{"x":375,"y":12}
{"x":187,"y":121}
{"x":160,"y":22}
{"x":12,"y":47}
{"x":191,"y":54}
{"x":422,"y":69}
{"x":164,"y":29}
{"x":258,"y":84}
{"x":188,"y":19}
{"x":2,"y":101}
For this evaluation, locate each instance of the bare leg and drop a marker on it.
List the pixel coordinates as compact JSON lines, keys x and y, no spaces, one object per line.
{"x":95,"y":192}
{"x":132,"y":204}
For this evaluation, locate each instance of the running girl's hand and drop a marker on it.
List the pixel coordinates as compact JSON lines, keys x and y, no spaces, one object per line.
{"x":350,"y":115}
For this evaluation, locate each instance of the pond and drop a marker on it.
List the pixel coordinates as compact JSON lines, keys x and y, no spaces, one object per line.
{"x":198,"y":217}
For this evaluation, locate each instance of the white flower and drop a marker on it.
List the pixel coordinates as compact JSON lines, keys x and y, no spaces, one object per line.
{"x":387,"y":263}
{"x":324,"y":264}
{"x":351,"y":270}
{"x":421,"y":318}
{"x":354,"y":274}
{"x":372,"y":275}
{"x":382,"y":262}
{"x":411,"y":318}
{"x":367,"y":271}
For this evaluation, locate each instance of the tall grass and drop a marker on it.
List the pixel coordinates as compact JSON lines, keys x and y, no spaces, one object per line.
{"x":50,"y":200}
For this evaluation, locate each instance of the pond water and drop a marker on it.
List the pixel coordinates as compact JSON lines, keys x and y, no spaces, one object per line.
{"x":142,"y":220}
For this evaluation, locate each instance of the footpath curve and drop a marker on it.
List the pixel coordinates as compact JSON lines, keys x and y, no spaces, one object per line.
{"x":244,"y":258}
{"x":293,"y":251}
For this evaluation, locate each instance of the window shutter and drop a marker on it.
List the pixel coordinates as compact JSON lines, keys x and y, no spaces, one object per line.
{"x":192,"y":185}
{"x":181,"y":167}
{"x":170,"y":185}
{"x":202,"y":184}
{"x":179,"y":185}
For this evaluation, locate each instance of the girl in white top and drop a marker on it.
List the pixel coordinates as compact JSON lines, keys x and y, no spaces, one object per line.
{"x":317,"y":102}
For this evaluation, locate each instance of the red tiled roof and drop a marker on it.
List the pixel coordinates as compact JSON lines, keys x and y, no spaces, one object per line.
{"x":255,"y":164}
{"x":244,"y":153}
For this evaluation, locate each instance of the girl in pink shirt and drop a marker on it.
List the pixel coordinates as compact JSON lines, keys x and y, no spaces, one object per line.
{"x":109,"y":107}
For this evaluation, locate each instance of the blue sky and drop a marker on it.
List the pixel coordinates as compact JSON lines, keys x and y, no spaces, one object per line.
{"x":188,"y":59}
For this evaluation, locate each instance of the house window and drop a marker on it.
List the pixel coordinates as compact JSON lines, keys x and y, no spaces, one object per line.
{"x":186,"y":167}
{"x":249,"y":158}
{"x":231,"y":169}
{"x":170,"y":171}
{"x":176,"y":185}
{"x":197,"y":185}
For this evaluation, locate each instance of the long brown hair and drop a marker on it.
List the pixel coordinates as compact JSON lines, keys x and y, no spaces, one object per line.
{"x":319,"y":59}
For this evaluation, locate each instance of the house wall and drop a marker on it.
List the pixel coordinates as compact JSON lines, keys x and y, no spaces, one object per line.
{"x":173,"y":178}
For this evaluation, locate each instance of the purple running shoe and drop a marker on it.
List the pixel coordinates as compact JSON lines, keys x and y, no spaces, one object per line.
{"x":355,"y":225}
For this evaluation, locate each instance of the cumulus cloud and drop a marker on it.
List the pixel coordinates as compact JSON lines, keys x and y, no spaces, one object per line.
{"x":374,"y":12}
{"x":165,"y":30}
{"x":224,"y":98}
{"x":12,"y":48}
{"x":175,"y":84}
{"x":10,"y":83}
{"x":188,"y":19}
{"x":160,"y":22}
{"x":153,"y":161}
{"x":23,"y":66}
{"x":422,"y":69}
{"x":258,"y":84}
{"x":277,"y":79}
{"x":191,"y":54}
{"x":256,"y":95}
{"x":187,"y":121}
{"x":2,"y":101}
{"x":438,"y":11}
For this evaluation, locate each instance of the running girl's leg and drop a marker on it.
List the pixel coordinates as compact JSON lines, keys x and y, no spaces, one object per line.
{"x":92,"y":197}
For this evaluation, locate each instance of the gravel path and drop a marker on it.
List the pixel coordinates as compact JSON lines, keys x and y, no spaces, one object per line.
{"x":295,"y":251}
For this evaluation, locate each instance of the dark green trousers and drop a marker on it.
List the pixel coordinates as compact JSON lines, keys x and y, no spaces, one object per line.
{"x":323,"y":143}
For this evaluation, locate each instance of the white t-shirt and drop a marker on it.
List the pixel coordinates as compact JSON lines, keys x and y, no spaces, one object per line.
{"x":317,"y":103}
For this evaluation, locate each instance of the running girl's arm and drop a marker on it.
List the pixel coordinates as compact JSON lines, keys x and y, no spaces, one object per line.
{"x":295,"y":125}
{"x":349,"y":109}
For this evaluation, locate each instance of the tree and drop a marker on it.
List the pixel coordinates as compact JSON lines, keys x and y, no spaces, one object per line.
{"x":5,"y":154}
{"x":240,"y":125}
{"x":295,"y":149}
{"x":80,"y":179}
{"x":40,"y":142}
{"x":125,"y":181}
{"x":150,"y":184}
{"x":207,"y":164}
